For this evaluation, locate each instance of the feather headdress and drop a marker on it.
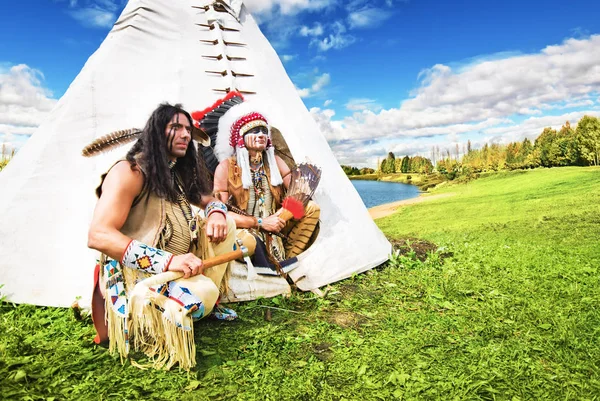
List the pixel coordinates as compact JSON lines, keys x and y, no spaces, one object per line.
{"x":208,"y":121}
{"x":227,"y":120}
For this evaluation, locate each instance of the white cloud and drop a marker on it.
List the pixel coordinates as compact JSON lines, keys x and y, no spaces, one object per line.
{"x":580,"y":103}
{"x":345,"y":129}
{"x":95,"y":13}
{"x":333,"y":41}
{"x":338,"y":39}
{"x":496,"y":89}
{"x":353,"y":5}
{"x":303,"y":92}
{"x":319,"y":83}
{"x":360,"y":104}
{"x":532,"y":127}
{"x":367,"y":17}
{"x":328,"y":127}
{"x":285,"y":7}
{"x":358,"y":154}
{"x":316,"y":30}
{"x":24,"y":102}
{"x":94,"y":17}
{"x":286,"y":58}
{"x":327,"y":103}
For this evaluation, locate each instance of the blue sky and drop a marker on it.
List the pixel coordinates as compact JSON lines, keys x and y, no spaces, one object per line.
{"x":378,"y":75}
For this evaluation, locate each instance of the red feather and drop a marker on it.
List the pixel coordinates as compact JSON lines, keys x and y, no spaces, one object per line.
{"x":295,"y":207}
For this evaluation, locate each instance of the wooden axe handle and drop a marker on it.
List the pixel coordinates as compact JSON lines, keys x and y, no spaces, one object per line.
{"x":223,"y":258}
{"x":206,"y":264}
{"x":285,"y":215}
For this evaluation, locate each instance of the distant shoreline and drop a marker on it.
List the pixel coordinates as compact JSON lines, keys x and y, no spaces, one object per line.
{"x":421,"y":181}
{"x":387,"y":209}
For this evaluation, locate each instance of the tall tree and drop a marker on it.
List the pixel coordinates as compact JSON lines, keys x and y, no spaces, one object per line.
{"x":398,"y":163}
{"x":405,"y":164}
{"x":549,"y":155}
{"x":390,"y":163}
{"x":588,"y":136}
{"x":566,"y":146}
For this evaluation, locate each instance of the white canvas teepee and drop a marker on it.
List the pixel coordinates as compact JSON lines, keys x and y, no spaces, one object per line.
{"x":160,"y":50}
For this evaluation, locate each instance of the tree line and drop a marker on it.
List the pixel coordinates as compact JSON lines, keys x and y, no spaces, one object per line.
{"x":349,"y":170}
{"x":406,"y":164}
{"x":552,"y":148}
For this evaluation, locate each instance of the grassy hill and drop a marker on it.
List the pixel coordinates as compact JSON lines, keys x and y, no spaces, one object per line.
{"x":522,"y":289}
{"x":506,"y":308}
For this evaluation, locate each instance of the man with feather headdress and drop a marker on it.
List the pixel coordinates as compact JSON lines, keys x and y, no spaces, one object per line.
{"x":253,"y":181}
{"x":144,"y":226}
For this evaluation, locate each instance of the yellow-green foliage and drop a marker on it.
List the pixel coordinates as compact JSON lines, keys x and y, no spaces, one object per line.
{"x":5,"y":156}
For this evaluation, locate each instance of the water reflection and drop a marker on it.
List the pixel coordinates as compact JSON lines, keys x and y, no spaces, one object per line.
{"x":374,"y":193}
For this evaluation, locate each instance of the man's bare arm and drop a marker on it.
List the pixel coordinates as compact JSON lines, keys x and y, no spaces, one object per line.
{"x":119,"y":189}
{"x":284,"y":170}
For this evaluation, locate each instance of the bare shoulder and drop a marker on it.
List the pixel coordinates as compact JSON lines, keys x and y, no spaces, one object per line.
{"x":123,"y":179}
{"x":221,"y":172}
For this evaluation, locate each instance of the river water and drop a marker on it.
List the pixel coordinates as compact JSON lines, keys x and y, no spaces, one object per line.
{"x":374,"y":193}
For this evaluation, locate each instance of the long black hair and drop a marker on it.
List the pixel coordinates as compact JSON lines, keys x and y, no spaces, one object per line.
{"x":150,"y":153}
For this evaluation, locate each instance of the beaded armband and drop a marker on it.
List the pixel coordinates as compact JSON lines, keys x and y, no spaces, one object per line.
{"x":146,"y":258}
{"x":215,"y":207}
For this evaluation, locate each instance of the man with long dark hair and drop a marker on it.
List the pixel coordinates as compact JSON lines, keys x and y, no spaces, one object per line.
{"x":144,"y":226}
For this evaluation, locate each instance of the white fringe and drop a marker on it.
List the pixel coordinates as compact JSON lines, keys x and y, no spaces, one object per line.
{"x":243,"y":160}
{"x":252,"y":274}
{"x":275,"y":174}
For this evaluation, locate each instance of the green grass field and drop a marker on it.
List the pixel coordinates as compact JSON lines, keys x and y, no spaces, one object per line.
{"x":511,"y":314}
